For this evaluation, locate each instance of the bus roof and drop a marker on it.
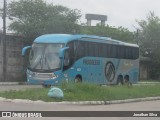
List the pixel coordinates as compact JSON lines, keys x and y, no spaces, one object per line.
{"x":64,"y":38}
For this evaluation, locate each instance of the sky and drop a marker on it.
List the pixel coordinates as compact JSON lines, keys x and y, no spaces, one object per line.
{"x":119,"y":12}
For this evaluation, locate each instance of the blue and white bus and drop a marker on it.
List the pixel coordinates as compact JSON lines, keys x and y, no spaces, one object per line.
{"x":55,"y":58}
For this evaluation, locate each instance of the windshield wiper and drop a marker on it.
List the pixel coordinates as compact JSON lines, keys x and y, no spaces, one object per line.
{"x":46,"y":62}
{"x":40,"y":61}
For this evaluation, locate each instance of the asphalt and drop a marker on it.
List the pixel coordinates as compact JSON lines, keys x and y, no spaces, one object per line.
{"x":16,"y":86}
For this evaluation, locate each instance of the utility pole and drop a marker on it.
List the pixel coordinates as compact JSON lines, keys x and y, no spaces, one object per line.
{"x":4,"y":41}
{"x":137,"y":36}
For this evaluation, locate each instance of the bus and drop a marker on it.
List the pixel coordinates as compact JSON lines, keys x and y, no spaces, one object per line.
{"x":54,"y":58}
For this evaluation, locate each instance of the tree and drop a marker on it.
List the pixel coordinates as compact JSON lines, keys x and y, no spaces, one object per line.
{"x":32,"y":18}
{"x":119,"y":33}
{"x":150,"y":42}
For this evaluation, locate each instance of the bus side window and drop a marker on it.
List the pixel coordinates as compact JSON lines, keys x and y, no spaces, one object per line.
{"x":71,"y":52}
{"x":90,"y":49}
{"x":86,"y":50}
{"x":113,"y":51}
{"x":126,"y":53}
{"x":105,"y":50}
{"x":99,"y":50}
{"x":135,"y":53}
{"x":81,"y":49}
{"x":108,"y":51}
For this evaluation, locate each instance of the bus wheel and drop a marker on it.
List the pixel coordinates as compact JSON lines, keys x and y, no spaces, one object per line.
{"x":129,"y":84}
{"x":120,"y":80}
{"x":126,"y":81}
{"x":78,"y":79}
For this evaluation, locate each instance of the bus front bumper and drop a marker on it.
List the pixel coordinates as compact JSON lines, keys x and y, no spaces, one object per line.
{"x":43,"y":78}
{"x":43,"y":82}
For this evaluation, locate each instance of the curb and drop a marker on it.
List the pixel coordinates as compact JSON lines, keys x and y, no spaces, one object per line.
{"x":81,"y":102}
{"x":148,"y":82}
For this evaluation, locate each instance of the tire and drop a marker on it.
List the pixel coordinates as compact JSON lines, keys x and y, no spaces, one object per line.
{"x":78,"y":80}
{"x":119,"y":81}
{"x":129,"y":84}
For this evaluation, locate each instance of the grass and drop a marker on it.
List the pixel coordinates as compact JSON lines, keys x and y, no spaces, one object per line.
{"x":86,"y":92}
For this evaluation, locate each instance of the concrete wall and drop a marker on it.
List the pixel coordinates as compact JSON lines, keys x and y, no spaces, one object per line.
{"x":144,"y":69}
{"x":14,"y":60}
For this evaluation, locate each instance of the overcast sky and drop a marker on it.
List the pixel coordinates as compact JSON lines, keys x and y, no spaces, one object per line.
{"x":120,"y":12}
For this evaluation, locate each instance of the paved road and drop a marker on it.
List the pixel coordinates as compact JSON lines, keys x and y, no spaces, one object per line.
{"x":137,"y":106}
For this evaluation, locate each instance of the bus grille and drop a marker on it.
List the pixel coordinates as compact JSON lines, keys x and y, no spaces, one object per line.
{"x":43,"y":76}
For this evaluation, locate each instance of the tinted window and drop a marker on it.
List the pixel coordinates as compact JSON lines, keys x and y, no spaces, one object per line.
{"x":79,"y":49}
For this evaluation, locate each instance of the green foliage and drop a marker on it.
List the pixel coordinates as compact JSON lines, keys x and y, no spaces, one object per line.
{"x":150,"y":42}
{"x":119,"y":33}
{"x":32,"y":18}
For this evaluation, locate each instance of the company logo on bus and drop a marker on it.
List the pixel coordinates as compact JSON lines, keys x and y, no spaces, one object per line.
{"x":110,"y":71}
{"x":91,"y":62}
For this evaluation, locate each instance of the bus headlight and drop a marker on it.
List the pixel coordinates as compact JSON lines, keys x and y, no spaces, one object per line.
{"x":29,"y":73}
{"x":66,"y":75}
{"x":53,"y":76}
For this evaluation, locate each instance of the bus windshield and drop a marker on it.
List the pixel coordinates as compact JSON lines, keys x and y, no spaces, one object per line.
{"x":45,"y":56}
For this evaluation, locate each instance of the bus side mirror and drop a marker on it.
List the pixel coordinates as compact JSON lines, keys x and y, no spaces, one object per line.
{"x":66,"y":58}
{"x":62,"y":52}
{"x":25,"y":49}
